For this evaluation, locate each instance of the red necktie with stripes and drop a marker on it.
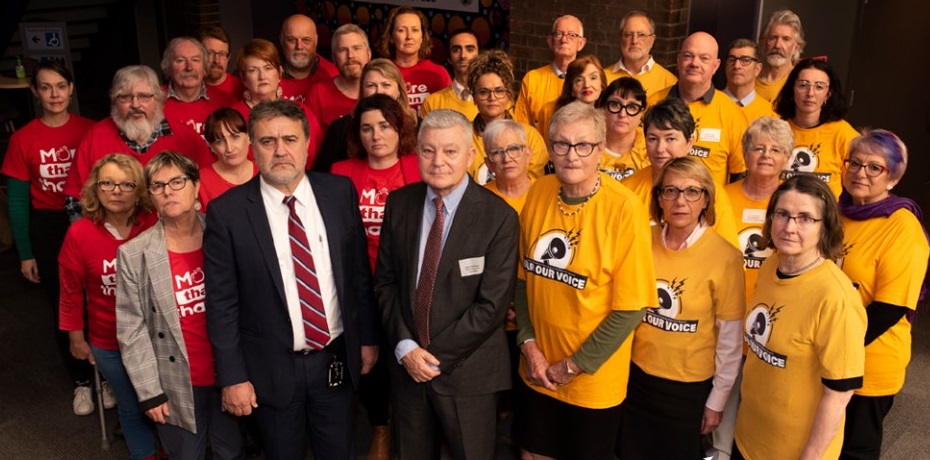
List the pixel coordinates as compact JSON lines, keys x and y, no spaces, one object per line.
{"x":308,"y":286}
{"x":424,"y":294}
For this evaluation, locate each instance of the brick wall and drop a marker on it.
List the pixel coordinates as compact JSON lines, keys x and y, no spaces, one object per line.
{"x":531,"y":20}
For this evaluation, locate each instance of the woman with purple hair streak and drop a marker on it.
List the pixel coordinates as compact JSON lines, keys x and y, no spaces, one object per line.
{"x":885,"y":254}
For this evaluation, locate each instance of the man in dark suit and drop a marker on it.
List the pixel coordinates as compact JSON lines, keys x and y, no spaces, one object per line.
{"x":290,"y":310}
{"x":446,"y":272}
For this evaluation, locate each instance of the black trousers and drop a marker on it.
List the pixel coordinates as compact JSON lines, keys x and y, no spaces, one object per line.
{"x":47,"y":231}
{"x":862,"y":436}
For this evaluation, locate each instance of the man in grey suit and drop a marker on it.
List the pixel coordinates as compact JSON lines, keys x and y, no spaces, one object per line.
{"x":445,"y":277}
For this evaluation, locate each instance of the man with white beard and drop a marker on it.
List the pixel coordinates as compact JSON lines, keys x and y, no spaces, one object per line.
{"x":782,"y":42}
{"x":302,"y":65}
{"x":188,"y":101}
{"x":336,"y":97}
{"x":136,"y":126}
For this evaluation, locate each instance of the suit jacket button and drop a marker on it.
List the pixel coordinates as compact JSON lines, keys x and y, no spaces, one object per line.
{"x":161,"y":335}
{"x":171,"y":358}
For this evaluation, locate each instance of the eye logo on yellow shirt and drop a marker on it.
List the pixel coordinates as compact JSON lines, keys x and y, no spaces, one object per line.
{"x":664,"y":317}
{"x":552,"y":253}
{"x":758,"y":330}
{"x":754,"y":252}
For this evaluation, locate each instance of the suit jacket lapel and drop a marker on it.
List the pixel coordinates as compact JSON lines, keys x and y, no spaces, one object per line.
{"x":158,"y":266}
{"x":258,"y":219}
{"x":412,"y":234}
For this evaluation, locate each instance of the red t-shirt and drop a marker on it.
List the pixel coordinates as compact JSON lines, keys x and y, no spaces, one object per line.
{"x":231,"y":87}
{"x":373,"y":186}
{"x":42,"y":156}
{"x":87,"y":264}
{"x":103,"y":139}
{"x":189,"y":115}
{"x":187,"y":280}
{"x":296,"y":89}
{"x":328,"y":103}
{"x":316,"y":133}
{"x":422,"y":79}
{"x":213,"y":185}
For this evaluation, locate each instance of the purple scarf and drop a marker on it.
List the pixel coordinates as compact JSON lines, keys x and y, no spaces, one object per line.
{"x":884,"y":208}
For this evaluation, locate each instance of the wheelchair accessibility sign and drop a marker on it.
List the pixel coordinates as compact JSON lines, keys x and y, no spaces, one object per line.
{"x":45,"y":39}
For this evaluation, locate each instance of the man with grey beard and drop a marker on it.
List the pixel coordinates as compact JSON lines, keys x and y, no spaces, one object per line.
{"x":302,"y":65}
{"x":782,"y":42}
{"x":136,"y":127}
{"x":188,"y":101}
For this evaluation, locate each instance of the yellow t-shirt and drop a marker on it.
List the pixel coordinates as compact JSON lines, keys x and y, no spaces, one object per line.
{"x":887,"y":259}
{"x":578,"y":269}
{"x":749,"y":216}
{"x":543,"y":119}
{"x":515,"y":203}
{"x":657,"y":78}
{"x":678,"y":340}
{"x":539,"y":87}
{"x":770,"y":90}
{"x":539,"y":156}
{"x":821,"y":151}
{"x":758,"y":108}
{"x":624,"y":165}
{"x":718,"y":135}
{"x":799,"y":330}
{"x":446,"y":99}
{"x":640,"y":184}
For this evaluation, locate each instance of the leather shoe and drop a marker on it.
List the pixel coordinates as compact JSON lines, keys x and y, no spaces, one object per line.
{"x":380,"y":443}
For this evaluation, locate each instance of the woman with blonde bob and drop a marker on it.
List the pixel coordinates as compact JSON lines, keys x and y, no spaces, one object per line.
{"x":115,"y":206}
{"x":686,"y":353}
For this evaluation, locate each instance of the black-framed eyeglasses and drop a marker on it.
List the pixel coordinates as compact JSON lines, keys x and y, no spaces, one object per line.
{"x":217,"y":54}
{"x":512,"y":151}
{"x":109,"y":186}
{"x":485,"y":93}
{"x":632,"y":109}
{"x":177,"y":183}
{"x":559,"y":34}
{"x":583,"y":149}
{"x":743,"y":60}
{"x":141,"y":97}
{"x":804,"y":220}
{"x":871,"y":169}
{"x":671,"y":193}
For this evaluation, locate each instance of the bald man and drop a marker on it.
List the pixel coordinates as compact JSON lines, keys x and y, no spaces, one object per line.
{"x":302,"y":65}
{"x":720,"y":122}
{"x":543,"y":85}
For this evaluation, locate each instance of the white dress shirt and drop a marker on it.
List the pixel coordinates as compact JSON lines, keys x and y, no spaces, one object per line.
{"x":278,"y":214}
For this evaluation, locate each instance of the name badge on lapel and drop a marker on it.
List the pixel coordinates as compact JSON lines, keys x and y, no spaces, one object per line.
{"x":472,"y":266}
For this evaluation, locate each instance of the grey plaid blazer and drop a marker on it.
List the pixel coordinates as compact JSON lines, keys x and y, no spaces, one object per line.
{"x":148,"y":327}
